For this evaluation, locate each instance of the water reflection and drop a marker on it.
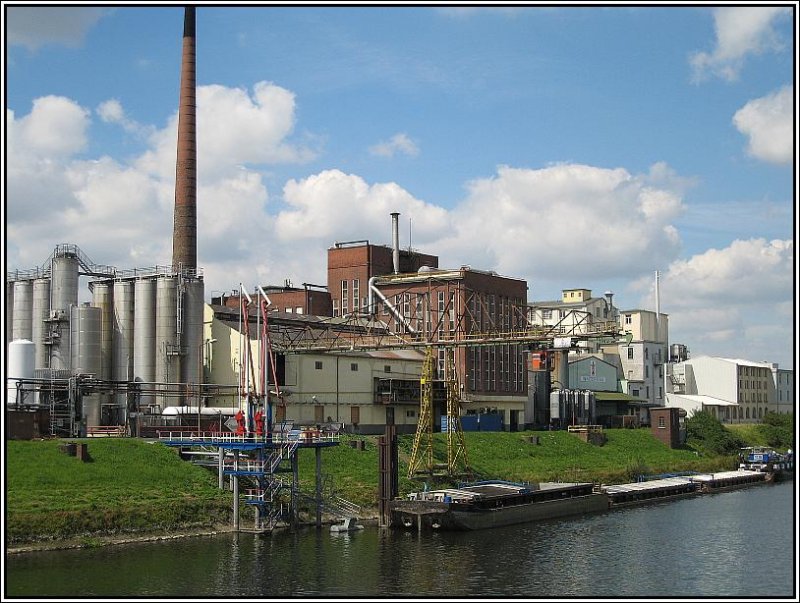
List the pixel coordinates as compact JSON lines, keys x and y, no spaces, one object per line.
{"x":690,"y":547}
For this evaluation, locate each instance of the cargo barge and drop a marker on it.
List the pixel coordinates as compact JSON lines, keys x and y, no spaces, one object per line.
{"x":494,"y":503}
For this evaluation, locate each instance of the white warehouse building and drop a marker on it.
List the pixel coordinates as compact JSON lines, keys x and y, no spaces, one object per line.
{"x":733,"y":390}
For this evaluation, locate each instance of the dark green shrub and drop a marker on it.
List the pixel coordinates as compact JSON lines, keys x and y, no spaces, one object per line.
{"x":705,"y":433}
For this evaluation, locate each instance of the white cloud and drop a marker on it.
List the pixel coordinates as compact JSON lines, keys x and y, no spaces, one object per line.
{"x":35,"y":26}
{"x":399,"y":143}
{"x":768,"y":122}
{"x":740,"y":31}
{"x":730,"y":299}
{"x":111,"y":112}
{"x":239,"y":128}
{"x":54,"y":129}
{"x":565,"y":222}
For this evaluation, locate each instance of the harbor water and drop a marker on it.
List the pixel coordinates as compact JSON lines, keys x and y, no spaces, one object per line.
{"x":739,"y":543}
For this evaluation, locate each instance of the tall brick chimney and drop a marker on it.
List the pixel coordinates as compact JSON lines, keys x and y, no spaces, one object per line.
{"x":184,"y":237}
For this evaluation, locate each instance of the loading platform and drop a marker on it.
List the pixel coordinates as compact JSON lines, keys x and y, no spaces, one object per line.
{"x":258,"y":461}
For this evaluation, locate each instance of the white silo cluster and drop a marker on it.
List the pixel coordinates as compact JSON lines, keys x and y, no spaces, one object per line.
{"x":142,"y":326}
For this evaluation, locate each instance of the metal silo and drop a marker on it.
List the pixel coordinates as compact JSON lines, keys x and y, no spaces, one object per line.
{"x":9,"y":311}
{"x":40,"y":327}
{"x":63,"y":295}
{"x":64,"y":286}
{"x":167,"y":342}
{"x":103,"y":298}
{"x":193,"y":332}
{"x":85,"y":339}
{"x":23,"y":308}
{"x":122,"y":338}
{"x":21,"y":353}
{"x":144,"y":334}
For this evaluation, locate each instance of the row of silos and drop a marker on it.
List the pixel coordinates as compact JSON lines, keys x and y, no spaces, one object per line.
{"x":152,"y":332}
{"x":143,"y":329}
{"x":572,"y":407}
{"x":38,"y":310}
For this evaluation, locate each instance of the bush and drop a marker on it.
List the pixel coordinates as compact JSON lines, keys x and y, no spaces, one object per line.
{"x":778,"y":430}
{"x":706,"y":434}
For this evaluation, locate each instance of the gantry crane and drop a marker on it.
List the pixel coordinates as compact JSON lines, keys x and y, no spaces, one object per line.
{"x":362,"y":331}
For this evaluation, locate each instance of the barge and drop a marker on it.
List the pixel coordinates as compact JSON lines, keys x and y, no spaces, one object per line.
{"x":494,"y":503}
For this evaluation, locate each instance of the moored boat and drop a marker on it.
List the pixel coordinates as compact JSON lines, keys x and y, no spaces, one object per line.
{"x":494,"y":503}
{"x":775,"y":465}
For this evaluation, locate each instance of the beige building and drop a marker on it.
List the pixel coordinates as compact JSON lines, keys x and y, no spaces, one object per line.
{"x":361,"y":390}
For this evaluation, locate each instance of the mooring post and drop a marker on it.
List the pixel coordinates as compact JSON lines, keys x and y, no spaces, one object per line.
{"x":318,"y":452}
{"x":295,"y":488}
{"x":220,"y":464}
{"x":235,"y":479}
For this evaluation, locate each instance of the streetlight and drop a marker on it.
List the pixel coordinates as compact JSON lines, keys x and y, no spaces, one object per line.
{"x":200,"y":376}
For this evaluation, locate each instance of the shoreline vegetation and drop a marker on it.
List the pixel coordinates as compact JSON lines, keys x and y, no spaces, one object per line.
{"x":133,"y":490}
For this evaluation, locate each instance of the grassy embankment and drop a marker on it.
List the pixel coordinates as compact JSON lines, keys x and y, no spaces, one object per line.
{"x":133,"y":486}
{"x":129,"y":486}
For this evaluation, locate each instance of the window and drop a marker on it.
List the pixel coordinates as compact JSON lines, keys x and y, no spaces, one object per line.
{"x":630,"y":353}
{"x":318,"y":365}
{"x":410,"y":414}
{"x":547,"y":314}
{"x":345,"y":297}
{"x":662,"y":424}
{"x":298,"y":310}
{"x":646,"y":354}
{"x":288,"y":310}
{"x":356,"y":293}
{"x":336,"y":307}
{"x":387,"y":368}
{"x":628,"y":319}
{"x":354,"y":366}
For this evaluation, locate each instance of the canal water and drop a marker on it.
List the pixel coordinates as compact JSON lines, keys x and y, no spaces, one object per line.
{"x":729,"y":544}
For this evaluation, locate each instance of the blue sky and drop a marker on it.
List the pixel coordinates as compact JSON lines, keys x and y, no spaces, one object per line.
{"x":570,"y":146}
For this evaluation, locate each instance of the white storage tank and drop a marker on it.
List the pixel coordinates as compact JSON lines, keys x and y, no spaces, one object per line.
{"x":21,"y":357}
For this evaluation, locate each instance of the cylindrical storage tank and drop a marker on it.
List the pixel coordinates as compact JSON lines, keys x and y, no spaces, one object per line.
{"x":103,"y":299}
{"x":85,"y":334}
{"x":167,"y":343}
{"x":193,"y":332}
{"x":40,"y":327}
{"x":63,"y":295}
{"x":123,"y":303}
{"x":21,"y":355}
{"x":64,"y":286}
{"x":9,"y":311}
{"x":144,"y":335}
{"x":23,"y":310}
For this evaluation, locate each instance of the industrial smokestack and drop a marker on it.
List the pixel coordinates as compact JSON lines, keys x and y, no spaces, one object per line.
{"x":184,"y":237}
{"x":395,"y":242}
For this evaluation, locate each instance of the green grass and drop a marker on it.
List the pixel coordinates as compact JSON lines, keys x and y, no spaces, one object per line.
{"x":559,"y":456}
{"x":129,"y":486}
{"x":136,"y":486}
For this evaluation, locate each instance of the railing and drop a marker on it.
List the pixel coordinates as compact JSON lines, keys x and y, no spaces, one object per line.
{"x":585,"y":428}
{"x":213,"y":437}
{"x":105,"y":430}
